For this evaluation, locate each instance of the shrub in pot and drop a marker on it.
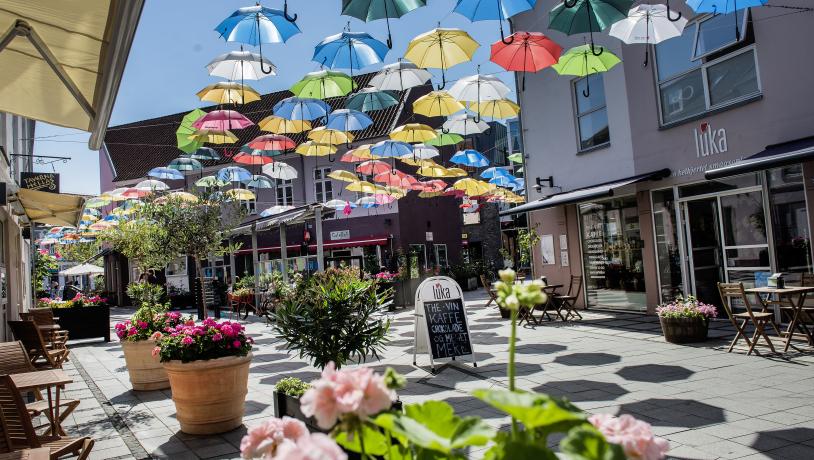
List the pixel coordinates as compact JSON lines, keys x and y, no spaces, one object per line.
{"x":138,"y":337}
{"x":287,"y":394}
{"x":685,"y":320}
{"x":208,"y":368}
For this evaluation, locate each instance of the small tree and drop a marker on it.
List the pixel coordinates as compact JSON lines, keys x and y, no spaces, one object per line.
{"x":78,"y":252}
{"x":526,"y":241}
{"x":44,"y":263}
{"x":141,"y":240}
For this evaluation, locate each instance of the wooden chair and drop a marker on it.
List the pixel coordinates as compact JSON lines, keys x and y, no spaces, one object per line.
{"x":29,"y":334}
{"x":550,"y":306}
{"x":568,"y":301}
{"x":14,"y":360}
{"x":233,"y":303}
{"x":45,"y":320}
{"x":487,"y":285}
{"x":730,"y":291}
{"x":18,"y":432}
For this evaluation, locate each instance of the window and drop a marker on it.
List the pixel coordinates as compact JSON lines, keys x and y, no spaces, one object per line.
{"x":177,"y":267}
{"x":592,"y":114}
{"x":668,"y":253}
{"x":440,"y":255}
{"x":250,"y":206}
{"x":285,"y":192}
{"x":323,"y":188}
{"x":787,"y":204}
{"x":695,"y":75}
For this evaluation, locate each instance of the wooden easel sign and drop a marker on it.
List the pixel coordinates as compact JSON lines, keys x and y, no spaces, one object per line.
{"x":441,"y":327}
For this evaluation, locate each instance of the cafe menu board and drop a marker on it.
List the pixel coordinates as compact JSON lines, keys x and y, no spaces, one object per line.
{"x":446,"y":326}
{"x":594,"y":245}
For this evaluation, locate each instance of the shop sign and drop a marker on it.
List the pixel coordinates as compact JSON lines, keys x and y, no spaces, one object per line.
{"x":340,"y":235}
{"x":45,"y":182}
{"x":464,"y":236}
{"x":429,"y":236}
{"x":708,"y":140}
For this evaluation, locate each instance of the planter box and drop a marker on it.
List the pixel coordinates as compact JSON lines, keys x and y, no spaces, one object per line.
{"x":404,"y":292}
{"x":684,"y":330}
{"x":285,"y":405}
{"x":85,"y":322}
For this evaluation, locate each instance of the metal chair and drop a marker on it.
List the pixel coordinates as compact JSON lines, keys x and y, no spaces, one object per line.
{"x":730,"y":291}
{"x":568,"y":301}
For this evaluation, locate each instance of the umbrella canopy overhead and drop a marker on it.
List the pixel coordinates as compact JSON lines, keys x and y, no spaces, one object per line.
{"x":499,"y":108}
{"x":413,"y":133}
{"x":204,"y":153}
{"x":222,"y":120}
{"x":361,"y":187}
{"x":324,"y":84}
{"x":581,"y":61}
{"x":399,"y":76}
{"x":465,"y":124}
{"x":473,"y":187}
{"x":280,"y":170}
{"x":525,"y":52}
{"x":442,"y":139}
{"x":338,"y":204}
{"x":151,"y":184}
{"x":272,"y":142}
{"x":372,"y":167}
{"x":391,"y":149}
{"x":277,"y":209}
{"x":478,"y":87}
{"x":182,"y":196}
{"x":470,"y":157}
{"x":432,"y":169}
{"x":185,"y":164}
{"x":325,"y":135}
{"x":259,"y":181}
{"x":515,"y":157}
{"x":343,"y":175}
{"x":211,"y":181}
{"x":164,"y":173}
{"x":587,"y":17}
{"x":240,"y":65}
{"x":421,"y":152}
{"x":486,"y":10}
{"x":255,"y":25}
{"x":437,"y":104}
{"x":185,"y":130}
{"x":253,"y":158}
{"x":297,"y":108}
{"x":280,"y":125}
{"x":370,"y":99}
{"x":648,"y":24}
{"x":489,"y":173}
{"x":228,"y":92}
{"x":441,"y":49}
{"x":213,"y":136}
{"x":240,"y":194}
{"x":235,"y":174}
{"x":348,"y":120}
{"x":315,"y":149}
{"x":349,"y":50}
{"x":370,"y":10}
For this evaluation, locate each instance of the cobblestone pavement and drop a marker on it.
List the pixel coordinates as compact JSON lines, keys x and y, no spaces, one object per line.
{"x":708,"y":403}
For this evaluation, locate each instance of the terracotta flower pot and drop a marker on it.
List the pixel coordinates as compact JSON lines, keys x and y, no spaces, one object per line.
{"x":209,"y":395}
{"x":146,"y":372}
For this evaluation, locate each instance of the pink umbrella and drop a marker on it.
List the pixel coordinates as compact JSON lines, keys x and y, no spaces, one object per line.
{"x":396,"y":178}
{"x":384,"y":199}
{"x":373,"y":167}
{"x":434,"y":185}
{"x":135,"y":193}
{"x":272,"y":142}
{"x":221,"y":120}
{"x":454,"y":192}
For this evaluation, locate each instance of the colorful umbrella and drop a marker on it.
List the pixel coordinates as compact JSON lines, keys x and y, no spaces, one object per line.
{"x":204,"y":153}
{"x":343,"y":175}
{"x":441,"y":49}
{"x":422,"y":152}
{"x":367,"y":202}
{"x":241,"y":194}
{"x":235,"y":174}
{"x":432,"y":169}
{"x":348,"y":120}
{"x":396,"y":178}
{"x":260,"y":152}
{"x":648,"y":24}
{"x":500,"y":108}
{"x":477,"y":88}
{"x":437,"y":104}
{"x":464,"y":124}
{"x":391,"y":149}
{"x":413,"y":133}
{"x":442,"y":139}
{"x":274,"y":210}
{"x":240,"y":65}
{"x":280,"y":125}
{"x":296,"y":108}
{"x":582,"y":61}
{"x":473,"y":187}
{"x":349,"y":50}
{"x":185,"y":130}
{"x":315,"y":149}
{"x":133,"y":192}
{"x":213,"y":136}
{"x":185,"y":164}
{"x":361,"y":187}
{"x":272,"y":142}
{"x":399,"y":76}
{"x":487,"y":10}
{"x":503,"y":181}
{"x":259,"y":181}
{"x":362,"y":153}
{"x":210,"y":181}
{"x":728,"y":6}
{"x":164,"y":173}
{"x":525,"y":52}
{"x":373,"y":167}
{"x":469,"y":157}
{"x":489,"y":173}
{"x":183,"y":196}
{"x":338,"y":205}
{"x":253,"y":159}
{"x":97,"y":202}
{"x":152,"y":184}
{"x":456,"y":172}
{"x":325,"y":135}
{"x":280,"y":170}
{"x":323,"y":84}
{"x":434,"y":185}
{"x":228,"y":92}
{"x":255,"y":25}
{"x":222,"y":120}
{"x":586,"y":16}
{"x":370,"y":99}
{"x":371,"y":10}
{"x":515,"y":157}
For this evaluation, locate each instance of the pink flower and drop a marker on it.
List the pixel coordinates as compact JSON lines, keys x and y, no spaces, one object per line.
{"x":156,"y":351}
{"x":132,"y":331}
{"x":156,"y":335}
{"x":187,"y":340}
{"x":635,"y":436}
{"x":316,"y":446}
{"x":142,"y":325}
{"x":236,"y":344}
{"x":217,"y":337}
{"x":263,"y":440}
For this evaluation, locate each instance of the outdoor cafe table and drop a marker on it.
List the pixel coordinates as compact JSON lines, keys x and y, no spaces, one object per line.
{"x":42,"y":453}
{"x":527,"y":314}
{"x":57,"y":378}
{"x":786,"y":298}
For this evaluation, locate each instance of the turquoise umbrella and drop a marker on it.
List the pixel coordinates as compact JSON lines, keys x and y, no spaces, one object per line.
{"x":185,"y":164}
{"x":370,"y":10}
{"x":587,"y":16}
{"x":204,"y":153}
{"x":370,"y":99}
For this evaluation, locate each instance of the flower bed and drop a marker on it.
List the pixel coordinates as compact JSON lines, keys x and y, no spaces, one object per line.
{"x":685,"y":320}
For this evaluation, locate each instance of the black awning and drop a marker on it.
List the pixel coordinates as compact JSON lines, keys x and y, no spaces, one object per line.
{"x":585,"y":193}
{"x":773,"y":156}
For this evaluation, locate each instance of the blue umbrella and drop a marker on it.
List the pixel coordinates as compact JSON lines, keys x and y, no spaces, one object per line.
{"x":259,"y":181}
{"x":503,"y":181}
{"x":486,"y":10}
{"x":370,"y":99}
{"x":234,"y":174}
{"x":298,"y":108}
{"x":255,"y":25}
{"x":350,"y":50}
{"x":494,"y":171}
{"x":469,"y":157}
{"x":348,"y":120}
{"x":724,"y":7}
{"x":519,"y":184}
{"x":391,"y":149}
{"x":185,"y":164}
{"x":164,"y":173}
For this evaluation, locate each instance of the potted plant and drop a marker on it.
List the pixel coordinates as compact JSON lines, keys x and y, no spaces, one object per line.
{"x":84,"y":317}
{"x":208,"y":368}
{"x":138,"y":337}
{"x":385,"y":285}
{"x":465,"y":275}
{"x":685,"y":320}
{"x":287,"y":394}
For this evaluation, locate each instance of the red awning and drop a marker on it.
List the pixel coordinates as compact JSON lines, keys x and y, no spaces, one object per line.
{"x":349,"y":243}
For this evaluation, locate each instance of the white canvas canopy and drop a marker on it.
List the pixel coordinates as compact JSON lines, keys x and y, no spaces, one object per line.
{"x":83,"y":269}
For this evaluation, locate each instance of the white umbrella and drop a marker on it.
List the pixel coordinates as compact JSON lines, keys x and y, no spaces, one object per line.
{"x":647,"y":24}
{"x":465,"y":124}
{"x":338,"y":205}
{"x":83,"y":269}
{"x":399,"y":76}
{"x":152,"y":184}
{"x":274,"y":210}
{"x":421,"y":152}
{"x":240,"y":65}
{"x":477,"y":88}
{"x":280,"y":170}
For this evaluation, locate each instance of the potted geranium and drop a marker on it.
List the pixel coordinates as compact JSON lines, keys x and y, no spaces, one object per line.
{"x":208,"y":368}
{"x":138,"y":337}
{"x":685,"y":320}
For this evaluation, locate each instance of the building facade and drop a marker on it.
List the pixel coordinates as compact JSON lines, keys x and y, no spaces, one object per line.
{"x":672,"y":177}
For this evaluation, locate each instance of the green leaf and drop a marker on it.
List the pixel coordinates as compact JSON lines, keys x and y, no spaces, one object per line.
{"x":586,"y":443}
{"x":414,"y":431}
{"x":472,"y":431}
{"x":438,"y":416}
{"x":375,"y":441}
{"x":534,"y":410}
{"x":506,"y":448}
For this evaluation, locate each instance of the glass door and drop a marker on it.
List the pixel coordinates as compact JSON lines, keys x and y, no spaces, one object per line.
{"x":704,"y":254}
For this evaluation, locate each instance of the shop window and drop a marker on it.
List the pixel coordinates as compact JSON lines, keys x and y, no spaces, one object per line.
{"x":719,"y":185}
{"x":440,"y":251}
{"x":668,"y":253}
{"x":177,"y":267}
{"x":323,"y":187}
{"x":705,"y":68}
{"x":612,"y":254}
{"x":591,"y":112}
{"x":285,"y":192}
{"x":787,"y":203}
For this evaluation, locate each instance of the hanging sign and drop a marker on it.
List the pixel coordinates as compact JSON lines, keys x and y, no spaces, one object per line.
{"x":45,"y":182}
{"x":441,"y":327}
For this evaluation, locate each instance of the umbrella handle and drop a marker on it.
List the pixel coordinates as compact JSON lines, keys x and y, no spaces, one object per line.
{"x":260,"y":48}
{"x":570,"y":4}
{"x":587,"y":91}
{"x":444,"y":130}
{"x":646,"y":55}
{"x":285,"y":13}
{"x":593,"y":50}
{"x":670,"y":17}
{"x":502,"y":37}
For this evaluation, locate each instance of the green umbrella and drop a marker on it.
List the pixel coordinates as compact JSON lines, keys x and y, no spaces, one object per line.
{"x":444,"y":139}
{"x":370,"y":10}
{"x":516,"y":157}
{"x":185,"y":164}
{"x":184,"y":131}
{"x":586,"y":16}
{"x":324,"y":84}
{"x":210,"y":181}
{"x":582,"y":61}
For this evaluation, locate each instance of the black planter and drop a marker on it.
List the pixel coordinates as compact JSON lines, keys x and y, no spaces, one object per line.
{"x":183,"y":301}
{"x":504,"y":313}
{"x":85,"y":322}
{"x":684,"y":330}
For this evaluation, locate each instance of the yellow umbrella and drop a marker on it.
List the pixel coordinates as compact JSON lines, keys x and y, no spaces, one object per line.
{"x":324,"y":135}
{"x":473,"y":187}
{"x":89,"y":217}
{"x":228,"y":92}
{"x":183,"y":196}
{"x":396,"y":192}
{"x":98,"y":202}
{"x":500,"y":108}
{"x":429,"y":194}
{"x":433,"y":171}
{"x":213,"y":137}
{"x":441,"y":49}
{"x":437,"y":104}
{"x":341,"y":174}
{"x":279,"y":125}
{"x":241,"y":194}
{"x":413,"y":133}
{"x":361,"y":186}
{"x":315,"y":149}
{"x":419,"y":163}
{"x":457,"y":172}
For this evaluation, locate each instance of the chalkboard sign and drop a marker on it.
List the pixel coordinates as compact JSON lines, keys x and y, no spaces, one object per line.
{"x":446,"y":326}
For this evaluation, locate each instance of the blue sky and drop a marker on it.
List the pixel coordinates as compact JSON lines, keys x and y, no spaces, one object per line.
{"x":175,"y":40}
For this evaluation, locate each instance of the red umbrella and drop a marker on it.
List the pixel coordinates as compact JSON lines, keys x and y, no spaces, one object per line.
{"x":454,"y":193}
{"x":133,"y":192}
{"x":272,"y":142}
{"x":249,"y":159}
{"x":396,"y":178}
{"x":434,"y":185}
{"x":373,"y":167}
{"x":221,"y":120}
{"x":525,"y":52}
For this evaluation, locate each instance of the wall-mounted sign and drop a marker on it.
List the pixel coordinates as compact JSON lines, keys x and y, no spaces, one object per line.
{"x":708,"y":140}
{"x":340,"y":235}
{"x":45,"y":182}
{"x":547,"y":249}
{"x":464,"y":236}
{"x":429,"y":236}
